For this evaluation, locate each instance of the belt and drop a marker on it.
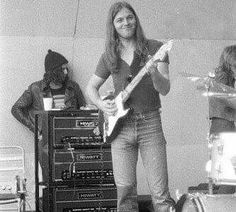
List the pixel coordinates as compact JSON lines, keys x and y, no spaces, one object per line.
{"x":144,"y":114}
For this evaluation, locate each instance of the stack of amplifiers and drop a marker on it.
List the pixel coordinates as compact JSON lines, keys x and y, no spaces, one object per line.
{"x":80,"y":163}
{"x":74,"y":199}
{"x":77,"y":153}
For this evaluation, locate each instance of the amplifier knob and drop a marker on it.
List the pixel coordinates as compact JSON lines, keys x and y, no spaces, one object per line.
{"x":65,"y":175}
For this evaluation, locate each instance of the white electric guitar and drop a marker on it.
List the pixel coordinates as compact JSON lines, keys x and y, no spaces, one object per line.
{"x":110,"y":124}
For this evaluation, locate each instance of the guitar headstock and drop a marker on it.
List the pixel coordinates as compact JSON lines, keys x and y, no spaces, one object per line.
{"x":168,"y":45}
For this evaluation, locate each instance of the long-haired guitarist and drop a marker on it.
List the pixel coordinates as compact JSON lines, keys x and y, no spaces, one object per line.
{"x":133,"y":116}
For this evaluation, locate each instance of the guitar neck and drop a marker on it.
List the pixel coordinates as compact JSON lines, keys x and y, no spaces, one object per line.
{"x":159,"y":55}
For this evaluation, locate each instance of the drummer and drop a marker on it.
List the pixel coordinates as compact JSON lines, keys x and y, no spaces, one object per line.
{"x":222,"y":111}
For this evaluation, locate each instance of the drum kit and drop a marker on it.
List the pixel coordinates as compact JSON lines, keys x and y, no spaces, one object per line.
{"x":221,"y":167}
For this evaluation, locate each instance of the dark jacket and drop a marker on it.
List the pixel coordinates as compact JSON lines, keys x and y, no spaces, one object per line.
{"x":31,"y":101}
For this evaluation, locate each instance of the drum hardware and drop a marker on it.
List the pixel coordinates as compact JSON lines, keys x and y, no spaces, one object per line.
{"x":209,"y":86}
{"x":217,"y":143}
{"x":223,"y":159}
{"x":206,"y":203}
{"x":209,"y":164}
{"x":221,"y":167}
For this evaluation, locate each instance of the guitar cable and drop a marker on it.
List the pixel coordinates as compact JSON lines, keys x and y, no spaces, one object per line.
{"x":72,"y":164}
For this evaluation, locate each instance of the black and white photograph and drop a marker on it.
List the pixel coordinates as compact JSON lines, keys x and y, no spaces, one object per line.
{"x":118,"y":106}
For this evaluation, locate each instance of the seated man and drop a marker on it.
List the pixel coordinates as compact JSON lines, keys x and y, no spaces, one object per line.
{"x":56,"y":84}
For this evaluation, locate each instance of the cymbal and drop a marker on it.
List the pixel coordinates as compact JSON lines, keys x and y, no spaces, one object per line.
{"x":219,"y":95}
{"x":193,"y":77}
{"x":210,"y":86}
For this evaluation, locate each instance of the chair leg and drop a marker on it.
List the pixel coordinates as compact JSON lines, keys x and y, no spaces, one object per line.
{"x":19,"y":205}
{"x":22,"y":204}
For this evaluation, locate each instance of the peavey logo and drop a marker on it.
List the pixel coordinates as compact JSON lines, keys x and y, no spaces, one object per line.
{"x":86,"y":124}
{"x":96,"y":195}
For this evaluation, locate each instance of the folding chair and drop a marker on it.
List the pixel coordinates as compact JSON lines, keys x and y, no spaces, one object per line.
{"x":12,"y":181}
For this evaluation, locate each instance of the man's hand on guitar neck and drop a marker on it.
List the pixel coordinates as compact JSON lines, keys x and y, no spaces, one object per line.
{"x":153,"y":67}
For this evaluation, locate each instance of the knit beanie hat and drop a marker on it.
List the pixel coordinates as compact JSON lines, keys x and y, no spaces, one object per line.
{"x":53,"y":60}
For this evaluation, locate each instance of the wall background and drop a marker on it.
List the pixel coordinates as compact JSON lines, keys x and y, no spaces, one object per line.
{"x":76,"y":29}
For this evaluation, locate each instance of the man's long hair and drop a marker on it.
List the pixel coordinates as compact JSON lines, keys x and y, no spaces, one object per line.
{"x":227,"y":59}
{"x":112,"y":40}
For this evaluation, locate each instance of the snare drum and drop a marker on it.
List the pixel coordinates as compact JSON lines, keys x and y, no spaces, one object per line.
{"x":206,"y":203}
{"x":223,"y":159}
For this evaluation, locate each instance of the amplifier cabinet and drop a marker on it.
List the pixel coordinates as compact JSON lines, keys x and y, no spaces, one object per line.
{"x":82,"y":167}
{"x":73,"y":199}
{"x":77,"y":129}
{"x":82,"y":156}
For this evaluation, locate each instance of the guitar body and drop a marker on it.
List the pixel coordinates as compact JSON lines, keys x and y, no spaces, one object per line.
{"x":110,"y":125}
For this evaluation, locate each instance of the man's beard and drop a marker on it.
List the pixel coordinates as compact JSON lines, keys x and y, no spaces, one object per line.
{"x":59,"y":78}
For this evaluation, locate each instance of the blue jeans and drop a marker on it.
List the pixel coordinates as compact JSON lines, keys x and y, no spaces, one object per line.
{"x":141,"y":131}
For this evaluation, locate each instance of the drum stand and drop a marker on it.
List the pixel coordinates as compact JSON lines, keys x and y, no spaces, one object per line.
{"x":210,"y":186}
{"x":208,"y":166}
{"x":209,"y":140}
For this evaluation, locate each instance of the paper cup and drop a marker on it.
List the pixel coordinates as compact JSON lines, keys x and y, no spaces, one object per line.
{"x":47,"y":102}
